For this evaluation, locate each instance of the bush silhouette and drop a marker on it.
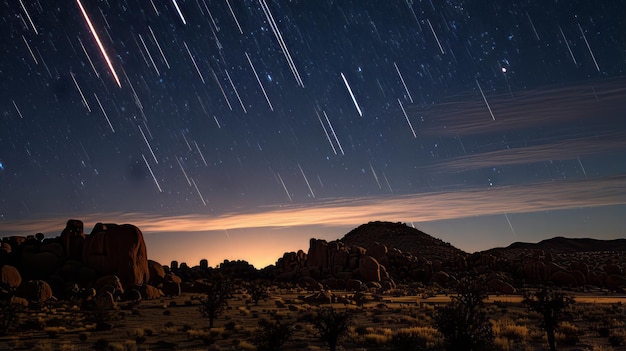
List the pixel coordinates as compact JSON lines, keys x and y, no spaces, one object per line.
{"x":217,"y":291}
{"x":550,"y":305}
{"x":463,"y":322}
{"x":331,"y":325}
{"x":271,"y":335}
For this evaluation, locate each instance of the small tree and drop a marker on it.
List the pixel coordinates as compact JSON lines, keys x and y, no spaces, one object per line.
{"x":9,"y":315}
{"x":463,"y":322}
{"x":217,"y":291}
{"x":257,"y":291}
{"x":550,"y":305}
{"x":272,"y":335}
{"x":331,"y":325}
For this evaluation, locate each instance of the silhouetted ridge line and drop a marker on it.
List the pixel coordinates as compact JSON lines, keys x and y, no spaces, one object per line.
{"x":573,"y":244}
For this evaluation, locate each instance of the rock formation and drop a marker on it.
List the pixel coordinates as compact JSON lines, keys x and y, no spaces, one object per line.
{"x":119,"y":250}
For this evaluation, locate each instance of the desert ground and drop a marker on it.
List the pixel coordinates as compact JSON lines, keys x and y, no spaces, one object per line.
{"x":597,"y":321}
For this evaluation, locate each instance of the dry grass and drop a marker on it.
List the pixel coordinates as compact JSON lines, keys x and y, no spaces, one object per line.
{"x":380,"y":324}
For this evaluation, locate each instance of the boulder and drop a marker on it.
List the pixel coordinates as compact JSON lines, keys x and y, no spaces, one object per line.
{"x":615,"y":282}
{"x":310,"y":284}
{"x":354,"y":285}
{"x":119,"y":250}
{"x":579,"y":266}
{"x":535,"y":271}
{"x":441,"y":278}
{"x":72,"y":238}
{"x":318,"y":253}
{"x":37,"y":264}
{"x":157,"y":273}
{"x":613,"y":269}
{"x":149,"y":292}
{"x":37,"y":291}
{"x":10,"y":277}
{"x":377,"y":250}
{"x":563,"y":278}
{"x":319,"y":297}
{"x":106,"y":301}
{"x":501,"y":287}
{"x":369,"y":269}
{"x":388,"y":284}
{"x":335,"y":284}
{"x":112,"y":282}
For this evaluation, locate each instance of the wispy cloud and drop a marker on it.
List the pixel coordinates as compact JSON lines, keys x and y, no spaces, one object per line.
{"x":564,"y":194}
{"x":468,"y":115}
{"x":561,"y":150}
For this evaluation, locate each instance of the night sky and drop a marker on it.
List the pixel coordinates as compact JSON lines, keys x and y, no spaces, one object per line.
{"x":240,"y":129}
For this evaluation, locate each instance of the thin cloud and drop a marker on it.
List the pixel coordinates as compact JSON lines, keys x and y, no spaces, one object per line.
{"x":555,"y":195}
{"x":532,"y":108}
{"x":561,"y":150}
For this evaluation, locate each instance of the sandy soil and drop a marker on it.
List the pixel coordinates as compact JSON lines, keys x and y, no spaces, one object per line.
{"x":176,"y":324}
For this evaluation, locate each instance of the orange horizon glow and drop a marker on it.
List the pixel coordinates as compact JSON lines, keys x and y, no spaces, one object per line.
{"x":425,"y":207}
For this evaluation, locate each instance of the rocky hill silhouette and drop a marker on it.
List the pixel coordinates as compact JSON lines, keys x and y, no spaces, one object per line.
{"x":403,"y":237}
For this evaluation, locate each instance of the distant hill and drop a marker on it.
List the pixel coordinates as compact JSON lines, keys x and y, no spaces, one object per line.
{"x":402,"y":237}
{"x":572,"y":245}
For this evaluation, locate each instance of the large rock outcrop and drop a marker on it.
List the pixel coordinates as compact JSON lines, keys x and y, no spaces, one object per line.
{"x":72,"y":238}
{"x":117,"y":250}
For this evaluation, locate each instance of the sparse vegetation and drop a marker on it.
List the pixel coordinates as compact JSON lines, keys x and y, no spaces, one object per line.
{"x":331,"y":325}
{"x":272,"y":335}
{"x":9,"y":315}
{"x":217,"y":291}
{"x":463,"y":322}
{"x":550,"y":305}
{"x":258,"y":291}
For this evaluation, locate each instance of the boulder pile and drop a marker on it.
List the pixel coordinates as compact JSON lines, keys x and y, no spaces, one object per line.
{"x":112,"y":259}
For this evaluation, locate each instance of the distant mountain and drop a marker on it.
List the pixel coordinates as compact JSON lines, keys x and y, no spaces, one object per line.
{"x":402,"y":237}
{"x":571,"y":245}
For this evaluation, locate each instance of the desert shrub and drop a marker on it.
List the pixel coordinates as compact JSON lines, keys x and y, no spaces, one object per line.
{"x":511,"y":331}
{"x":101,"y":344}
{"x":501,"y":344}
{"x":617,"y":338}
{"x":550,"y":305}
{"x":9,"y":315}
{"x":569,"y":334}
{"x":258,"y":291}
{"x":416,"y":339}
{"x":331,"y":325}
{"x":377,"y":339}
{"x":246,"y":346}
{"x":272,"y":335}
{"x":213,"y":304}
{"x":463,"y":322}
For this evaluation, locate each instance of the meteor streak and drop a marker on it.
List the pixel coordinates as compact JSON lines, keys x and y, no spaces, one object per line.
{"x":284,"y":187}
{"x":306,"y":180}
{"x":403,"y":83}
{"x":407,"y":119}
{"x":180,"y":14}
{"x":152,"y":174}
{"x":356,"y":104}
{"x":589,"y":47}
{"x":97,"y":38}
{"x":104,"y":113}
{"x":81,"y":92}
{"x":259,"y":81}
{"x":485,"y":99}
{"x":29,"y":19}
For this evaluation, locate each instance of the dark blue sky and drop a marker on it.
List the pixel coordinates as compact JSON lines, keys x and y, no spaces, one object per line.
{"x":226,"y":108}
